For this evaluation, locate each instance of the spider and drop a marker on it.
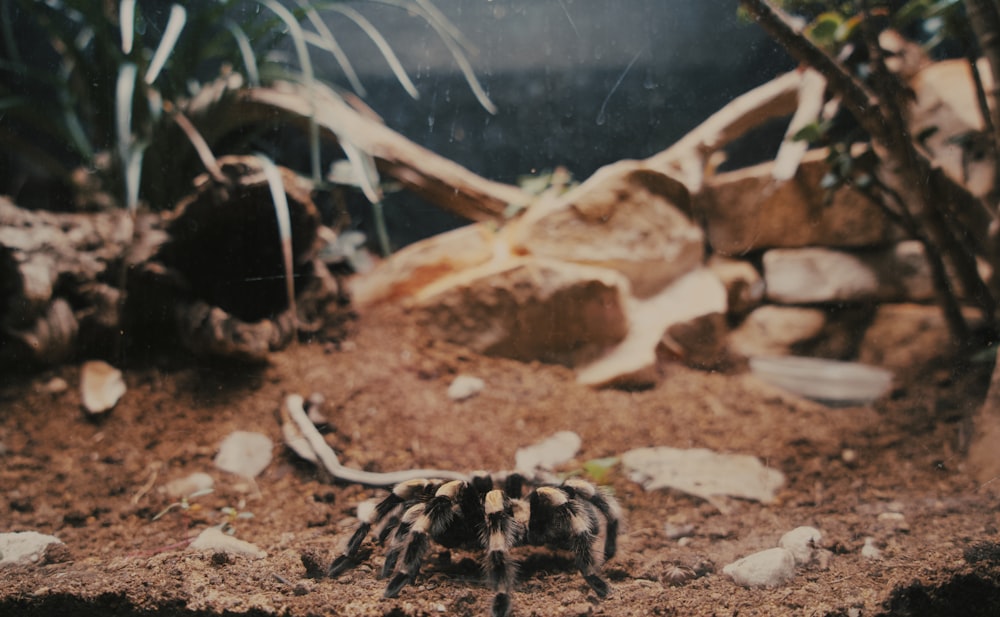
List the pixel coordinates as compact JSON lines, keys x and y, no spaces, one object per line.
{"x":491,"y":515}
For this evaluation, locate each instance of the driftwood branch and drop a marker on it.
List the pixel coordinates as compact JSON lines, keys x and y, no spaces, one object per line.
{"x":433,"y":177}
{"x":687,"y":159}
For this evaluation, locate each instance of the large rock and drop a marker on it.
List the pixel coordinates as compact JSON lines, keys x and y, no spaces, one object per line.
{"x":747,"y":210}
{"x":633,"y":363}
{"x":624,"y":217}
{"x":777,"y":330}
{"x":907,"y":337}
{"x":744,"y":284}
{"x":529,"y":309}
{"x":821,"y":275}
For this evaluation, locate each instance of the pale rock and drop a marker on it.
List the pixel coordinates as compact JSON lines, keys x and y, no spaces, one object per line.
{"x":775,"y":330}
{"x":24,"y":547}
{"x":101,"y":386}
{"x":822,"y":275}
{"x":188,"y":485}
{"x":215,"y":540}
{"x":744,"y":284}
{"x":625,"y":217}
{"x":870,"y":550}
{"x":945,"y":100}
{"x":802,"y":543}
{"x":465,"y":386}
{"x":703,"y":473}
{"x":906,"y":337}
{"x":244,"y":453}
{"x":529,"y":309}
{"x":633,"y":362}
{"x":770,"y":568}
{"x":548,"y":453}
{"x":420,"y":264}
{"x":747,"y":210}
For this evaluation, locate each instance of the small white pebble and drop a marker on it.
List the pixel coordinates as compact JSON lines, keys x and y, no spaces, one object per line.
{"x":465,"y":386}
{"x":849,"y":456}
{"x":440,"y":608}
{"x":188,"y":485}
{"x":869,"y":550}
{"x":24,"y":546}
{"x":770,"y":568}
{"x":244,"y":453}
{"x":214,"y":539}
{"x":801,"y":542}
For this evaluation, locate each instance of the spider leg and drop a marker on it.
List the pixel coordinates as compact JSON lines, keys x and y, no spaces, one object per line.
{"x":385,"y":514}
{"x":420,"y":524}
{"x":502,"y":532}
{"x":609,"y":508}
{"x":556,"y":518}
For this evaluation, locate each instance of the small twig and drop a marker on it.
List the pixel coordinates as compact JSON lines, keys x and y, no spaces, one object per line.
{"x":328,"y":458}
{"x":201,"y":147}
{"x":155,"y":470}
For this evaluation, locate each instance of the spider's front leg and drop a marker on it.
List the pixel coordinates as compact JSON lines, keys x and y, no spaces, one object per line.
{"x":559,"y":520}
{"x":385,"y":515}
{"x":437,"y":519}
{"x":503,"y":532}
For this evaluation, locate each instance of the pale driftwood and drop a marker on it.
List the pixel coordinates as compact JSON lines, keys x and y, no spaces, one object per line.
{"x":812,"y":93}
{"x":687,"y":159}
{"x":435,"y":178}
{"x":293,"y":409}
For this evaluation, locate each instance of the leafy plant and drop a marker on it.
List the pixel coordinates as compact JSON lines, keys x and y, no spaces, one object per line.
{"x":124,"y":71}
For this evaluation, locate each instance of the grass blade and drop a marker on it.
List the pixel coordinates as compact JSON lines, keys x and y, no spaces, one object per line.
{"x":133,"y":178}
{"x":305,"y":63}
{"x":383,"y":46}
{"x":284,"y":219}
{"x":124,"y":93}
{"x":175,"y":23}
{"x":330,"y":44}
{"x":246,"y":51}
{"x":126,"y":21}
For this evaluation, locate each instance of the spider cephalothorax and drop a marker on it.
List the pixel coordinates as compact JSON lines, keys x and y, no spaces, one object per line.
{"x":493,"y":516}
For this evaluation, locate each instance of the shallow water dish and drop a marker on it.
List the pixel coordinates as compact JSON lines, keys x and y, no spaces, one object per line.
{"x":826,"y":381}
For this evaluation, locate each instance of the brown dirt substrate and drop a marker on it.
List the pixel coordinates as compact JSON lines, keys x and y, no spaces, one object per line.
{"x":95,"y":486}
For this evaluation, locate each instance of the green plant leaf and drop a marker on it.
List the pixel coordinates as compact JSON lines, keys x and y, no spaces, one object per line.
{"x":383,"y":46}
{"x":599,"y":468}
{"x":246,"y":52}
{"x":126,"y":21}
{"x":175,"y":23}
{"x":284,"y":219}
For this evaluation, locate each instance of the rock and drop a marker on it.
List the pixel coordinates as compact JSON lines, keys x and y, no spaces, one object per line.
{"x":244,"y":453}
{"x":771,"y":568}
{"x":907,"y":337}
{"x":747,"y":210}
{"x":549,"y":453}
{"x":189,"y":485}
{"x":624,"y":217}
{"x":826,"y":381}
{"x":744,"y":284}
{"x":802,"y":543}
{"x":633,"y":362}
{"x":101,"y":386}
{"x":870,"y":550}
{"x":703,"y":473}
{"x":821,"y":275}
{"x":529,"y":309}
{"x":214,"y":539}
{"x":776,"y":330}
{"x":24,"y":547}
{"x":422,"y":263}
{"x":465,"y":386}
{"x":702,"y":342}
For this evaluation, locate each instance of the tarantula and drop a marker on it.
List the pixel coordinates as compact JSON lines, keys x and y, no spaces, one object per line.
{"x":491,"y":515}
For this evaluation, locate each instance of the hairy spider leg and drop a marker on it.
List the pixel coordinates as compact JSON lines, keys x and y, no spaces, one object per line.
{"x":502,"y":533}
{"x":436,"y":520}
{"x":385,"y":515}
{"x":558,"y":520}
{"x":607,"y":505}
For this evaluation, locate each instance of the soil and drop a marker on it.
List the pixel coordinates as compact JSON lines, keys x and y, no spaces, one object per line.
{"x":892,"y":471}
